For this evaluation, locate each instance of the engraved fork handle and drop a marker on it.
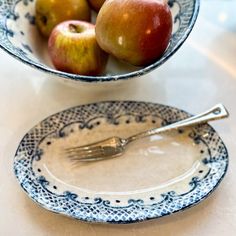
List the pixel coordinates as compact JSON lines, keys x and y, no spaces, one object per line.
{"x":215,"y":113}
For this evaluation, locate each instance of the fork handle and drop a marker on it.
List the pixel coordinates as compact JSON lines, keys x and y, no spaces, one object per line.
{"x":215,"y":113}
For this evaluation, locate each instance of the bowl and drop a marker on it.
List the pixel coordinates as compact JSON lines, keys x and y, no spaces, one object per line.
{"x":20,"y":38}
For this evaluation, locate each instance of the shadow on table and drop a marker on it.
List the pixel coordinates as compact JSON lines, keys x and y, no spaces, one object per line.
{"x":64,"y":95}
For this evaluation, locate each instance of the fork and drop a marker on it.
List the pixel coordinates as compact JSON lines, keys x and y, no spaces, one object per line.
{"x":115,"y":146}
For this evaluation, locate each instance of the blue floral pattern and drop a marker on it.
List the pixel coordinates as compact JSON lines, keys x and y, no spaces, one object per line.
{"x":103,"y":210}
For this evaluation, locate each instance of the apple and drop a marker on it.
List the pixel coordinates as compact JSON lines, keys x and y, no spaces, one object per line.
{"x":73,"y":48}
{"x":49,"y":13}
{"x":96,"y":4}
{"x":136,"y":31}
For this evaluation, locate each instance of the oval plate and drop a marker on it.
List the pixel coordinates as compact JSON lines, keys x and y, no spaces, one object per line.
{"x":156,"y":176}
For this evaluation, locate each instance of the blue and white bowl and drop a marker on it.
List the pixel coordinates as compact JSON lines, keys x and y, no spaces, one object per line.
{"x":20,"y":38}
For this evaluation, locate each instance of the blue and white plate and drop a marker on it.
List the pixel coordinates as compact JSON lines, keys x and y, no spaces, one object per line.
{"x":20,"y":38}
{"x":156,"y":176}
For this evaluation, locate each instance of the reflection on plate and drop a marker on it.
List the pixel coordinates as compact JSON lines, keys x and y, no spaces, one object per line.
{"x":157,"y":176}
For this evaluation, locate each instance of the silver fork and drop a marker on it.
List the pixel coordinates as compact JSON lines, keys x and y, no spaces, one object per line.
{"x":115,"y":146}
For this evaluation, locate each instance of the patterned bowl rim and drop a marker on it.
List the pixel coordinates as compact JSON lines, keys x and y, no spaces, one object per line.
{"x":137,"y":73}
{"x":24,"y":184}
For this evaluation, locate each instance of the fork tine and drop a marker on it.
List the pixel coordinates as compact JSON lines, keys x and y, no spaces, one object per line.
{"x":89,"y":159}
{"x":80,"y":148}
{"x":89,"y":151}
{"x":90,"y":146}
{"x":88,"y":154}
{"x":92,"y":149}
{"x":79,"y":155}
{"x":79,"y":152}
{"x":104,"y":149}
{"x":91,"y":155}
{"x":97,"y":158}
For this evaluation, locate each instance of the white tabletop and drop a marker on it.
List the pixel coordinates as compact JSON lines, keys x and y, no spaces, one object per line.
{"x":201,"y":74}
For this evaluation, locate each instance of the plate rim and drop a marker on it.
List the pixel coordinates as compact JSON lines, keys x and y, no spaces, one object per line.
{"x":130,"y":221}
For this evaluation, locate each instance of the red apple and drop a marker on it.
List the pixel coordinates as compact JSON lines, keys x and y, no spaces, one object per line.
{"x":96,"y":4}
{"x":137,"y":31}
{"x":73,"y":48}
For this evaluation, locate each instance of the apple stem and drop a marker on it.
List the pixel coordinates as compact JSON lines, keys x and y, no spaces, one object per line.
{"x":73,"y":28}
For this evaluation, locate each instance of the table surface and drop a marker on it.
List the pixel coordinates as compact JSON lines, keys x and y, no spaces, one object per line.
{"x":201,"y":74}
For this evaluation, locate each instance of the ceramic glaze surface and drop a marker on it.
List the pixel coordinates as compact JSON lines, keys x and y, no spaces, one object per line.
{"x":157,"y":176}
{"x":19,"y":37}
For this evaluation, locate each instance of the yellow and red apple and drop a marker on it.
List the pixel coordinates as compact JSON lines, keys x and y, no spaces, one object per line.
{"x":136,"y":31}
{"x":49,"y":13}
{"x":73,"y":48}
